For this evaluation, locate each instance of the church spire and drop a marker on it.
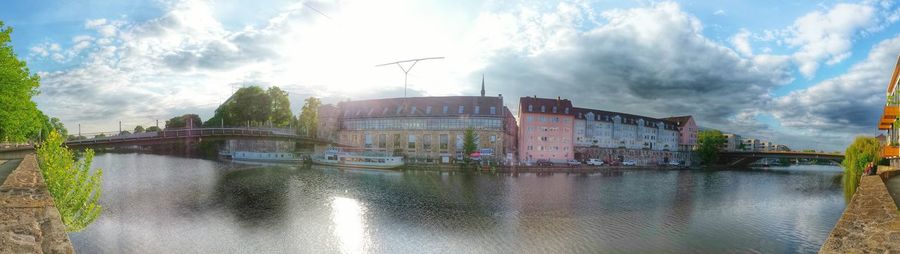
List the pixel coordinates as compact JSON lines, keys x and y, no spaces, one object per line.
{"x":482,"y":85}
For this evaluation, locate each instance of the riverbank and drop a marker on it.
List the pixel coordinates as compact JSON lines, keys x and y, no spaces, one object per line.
{"x":536,"y":169}
{"x":871,"y":221}
{"x":29,"y":220}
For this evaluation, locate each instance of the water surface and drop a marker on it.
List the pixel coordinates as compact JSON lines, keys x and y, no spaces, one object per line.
{"x":161,"y":204}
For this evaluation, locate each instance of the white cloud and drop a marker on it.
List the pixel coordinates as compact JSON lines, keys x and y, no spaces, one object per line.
{"x":828,"y":35}
{"x":741,"y":42}
{"x":719,"y":12}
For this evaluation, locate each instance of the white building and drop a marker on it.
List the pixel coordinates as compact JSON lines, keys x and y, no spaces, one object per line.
{"x":604,"y":129}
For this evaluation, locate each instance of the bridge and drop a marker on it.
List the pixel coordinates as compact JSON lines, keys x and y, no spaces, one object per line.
{"x":191,"y":135}
{"x":744,"y":159}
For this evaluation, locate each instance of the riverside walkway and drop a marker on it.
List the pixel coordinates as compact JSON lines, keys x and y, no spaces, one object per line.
{"x":871,"y":221}
{"x":29,"y":220}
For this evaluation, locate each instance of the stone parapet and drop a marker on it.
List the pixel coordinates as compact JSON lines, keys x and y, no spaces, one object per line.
{"x":29,"y":220}
{"x":870,"y":223}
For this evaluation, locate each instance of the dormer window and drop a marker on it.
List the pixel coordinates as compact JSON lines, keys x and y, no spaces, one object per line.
{"x":493,"y":110}
{"x":384,"y":112}
{"x":477,"y":109}
{"x":399,"y":109}
{"x":567,"y":110}
{"x":428,"y":110}
{"x":413,"y":111}
{"x":554,"y":109}
{"x":445,"y":109}
{"x":530,"y":108}
{"x":461,"y":109}
{"x":543,"y":109}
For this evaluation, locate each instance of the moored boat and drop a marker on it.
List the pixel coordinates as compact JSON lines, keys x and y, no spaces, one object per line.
{"x":338,"y":157}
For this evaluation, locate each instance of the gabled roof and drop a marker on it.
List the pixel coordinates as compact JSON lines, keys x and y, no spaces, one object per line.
{"x":563,"y":106}
{"x":602,"y":115}
{"x":419,"y":106}
{"x":680,"y":120}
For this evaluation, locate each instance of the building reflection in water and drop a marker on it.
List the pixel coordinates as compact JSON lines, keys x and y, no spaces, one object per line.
{"x":348,"y":216}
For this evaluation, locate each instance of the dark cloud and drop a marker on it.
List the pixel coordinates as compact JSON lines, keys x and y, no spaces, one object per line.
{"x":651,"y":61}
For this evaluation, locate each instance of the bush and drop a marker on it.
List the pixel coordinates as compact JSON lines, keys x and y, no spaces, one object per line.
{"x":74,"y":189}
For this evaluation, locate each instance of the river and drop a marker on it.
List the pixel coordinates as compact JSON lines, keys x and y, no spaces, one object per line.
{"x":164,"y":204}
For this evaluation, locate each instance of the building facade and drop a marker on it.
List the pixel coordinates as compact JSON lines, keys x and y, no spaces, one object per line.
{"x":732,"y":142}
{"x":605,"y":129}
{"x":545,"y":129}
{"x":687,"y":131}
{"x":425,"y":129}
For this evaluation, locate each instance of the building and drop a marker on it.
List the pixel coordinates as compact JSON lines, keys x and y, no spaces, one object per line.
{"x":752,"y":145}
{"x":687,"y":130}
{"x":425,"y":129}
{"x":888,"y":120}
{"x":605,"y":129}
{"x":328,"y":125}
{"x":545,"y":129}
{"x":732,"y":142}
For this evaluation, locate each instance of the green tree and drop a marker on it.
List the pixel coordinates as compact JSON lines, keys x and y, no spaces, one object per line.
{"x":280,"y":115}
{"x":152,"y":129}
{"x":75,"y":189}
{"x":470,"y":144}
{"x":138,"y":129}
{"x":309,"y":116}
{"x":249,"y":104}
{"x":19,"y":116}
{"x":183,"y":121}
{"x":862,"y":151}
{"x":101,"y":135}
{"x":709,"y":142}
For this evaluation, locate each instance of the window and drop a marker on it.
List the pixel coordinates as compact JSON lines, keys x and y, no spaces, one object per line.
{"x":529,"y":108}
{"x":543,"y":109}
{"x":426,"y":142}
{"x":445,"y":109}
{"x":428,"y":110}
{"x":384,"y":112}
{"x":382,"y":141}
{"x":567,"y":110}
{"x":411,"y":142}
{"x":493,"y":139}
{"x":554,"y":109}
{"x":530,"y":119}
{"x":477,"y":109}
{"x":445,"y":142}
{"x":413,"y":111}
{"x":368,"y":141}
{"x":461,"y":107}
{"x":397,"y":141}
{"x":493,"y":110}
{"x":399,"y":108}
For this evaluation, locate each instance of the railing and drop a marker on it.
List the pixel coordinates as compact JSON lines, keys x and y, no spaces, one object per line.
{"x":187,"y":133}
{"x":890,"y":151}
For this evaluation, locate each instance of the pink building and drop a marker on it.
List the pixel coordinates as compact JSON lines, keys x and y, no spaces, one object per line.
{"x":687,"y":130}
{"x":545,"y":129}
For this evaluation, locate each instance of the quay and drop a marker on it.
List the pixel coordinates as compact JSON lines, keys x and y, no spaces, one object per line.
{"x":29,"y":220}
{"x":871,"y":221}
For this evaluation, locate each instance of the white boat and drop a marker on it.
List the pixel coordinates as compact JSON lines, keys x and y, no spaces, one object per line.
{"x":338,"y":157}
{"x":262,"y":156}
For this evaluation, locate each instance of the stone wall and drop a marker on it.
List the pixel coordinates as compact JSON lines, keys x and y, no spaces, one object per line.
{"x":870,"y":223}
{"x":29,"y":220}
{"x":641,"y":156}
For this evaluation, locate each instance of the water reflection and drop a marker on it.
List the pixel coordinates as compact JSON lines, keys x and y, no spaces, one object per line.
{"x":161,"y":204}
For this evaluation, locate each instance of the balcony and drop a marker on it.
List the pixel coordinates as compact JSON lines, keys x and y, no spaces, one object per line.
{"x":889,"y":151}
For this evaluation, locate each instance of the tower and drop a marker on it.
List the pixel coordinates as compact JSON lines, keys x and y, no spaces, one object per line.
{"x":482,"y":85}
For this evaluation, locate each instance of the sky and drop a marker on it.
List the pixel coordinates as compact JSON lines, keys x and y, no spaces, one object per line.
{"x":808,"y":74}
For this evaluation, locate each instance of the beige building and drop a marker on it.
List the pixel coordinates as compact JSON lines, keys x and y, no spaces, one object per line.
{"x":423,"y":129}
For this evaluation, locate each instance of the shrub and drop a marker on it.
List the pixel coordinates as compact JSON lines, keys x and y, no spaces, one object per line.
{"x":74,"y":189}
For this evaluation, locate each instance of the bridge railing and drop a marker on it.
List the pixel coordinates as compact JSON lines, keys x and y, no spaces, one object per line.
{"x":195,"y":132}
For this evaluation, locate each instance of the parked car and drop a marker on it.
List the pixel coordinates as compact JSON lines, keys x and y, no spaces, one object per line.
{"x":629,"y":163}
{"x":595,"y":162}
{"x":573,"y":162}
{"x":674,"y":163}
{"x":543,"y":163}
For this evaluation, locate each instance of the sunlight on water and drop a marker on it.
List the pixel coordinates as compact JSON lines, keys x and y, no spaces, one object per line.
{"x":349,"y":225}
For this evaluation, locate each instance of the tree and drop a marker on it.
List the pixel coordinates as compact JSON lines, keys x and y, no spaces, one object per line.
{"x":124,"y":133}
{"x":309,"y":116}
{"x":152,"y":129}
{"x":280,"y":115}
{"x":101,"y":135}
{"x":19,"y":116}
{"x":709,"y":142}
{"x":861,"y":152}
{"x":183,"y":121}
{"x":138,"y":129}
{"x":469,"y":144}
{"x":76,"y":191}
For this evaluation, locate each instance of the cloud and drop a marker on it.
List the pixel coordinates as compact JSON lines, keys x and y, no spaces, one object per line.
{"x":828,"y":35}
{"x":719,"y":12}
{"x":847,"y":104}
{"x":653,"y":61}
{"x":741,"y":42}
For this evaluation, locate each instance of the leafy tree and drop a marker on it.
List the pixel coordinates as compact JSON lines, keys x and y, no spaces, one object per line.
{"x":124,"y":133}
{"x":152,"y":129}
{"x":101,"y":135}
{"x":249,"y":104}
{"x":19,"y":116}
{"x":75,"y":190}
{"x":309,"y":116}
{"x":469,"y":144}
{"x":709,"y":142}
{"x":138,"y":129}
{"x":280,"y":115}
{"x":861,"y":152}
{"x":183,"y":121}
